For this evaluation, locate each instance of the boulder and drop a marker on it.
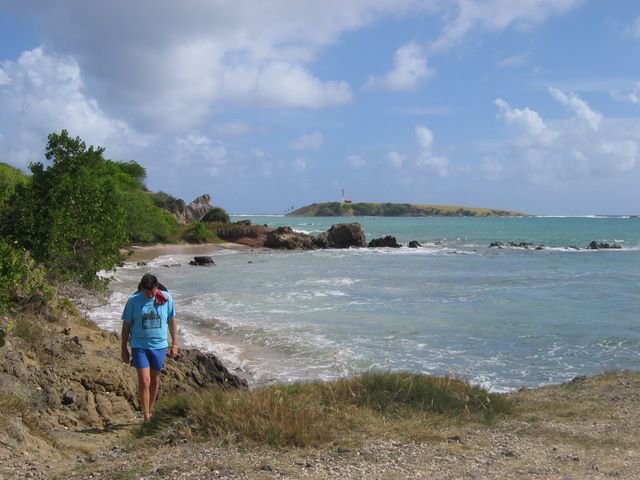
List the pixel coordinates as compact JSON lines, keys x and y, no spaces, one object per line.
{"x":246,"y":223}
{"x":345,"y":235}
{"x":285,"y":238}
{"x":388,"y":241}
{"x":414,"y":244}
{"x":204,"y":261}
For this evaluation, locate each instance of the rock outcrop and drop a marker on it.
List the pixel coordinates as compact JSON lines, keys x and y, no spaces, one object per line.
{"x":389,"y":241}
{"x":414,"y":244}
{"x":345,"y":235}
{"x":600,"y":245}
{"x":341,"y":235}
{"x":197,"y":209}
{"x":285,"y":238}
{"x":70,"y":373}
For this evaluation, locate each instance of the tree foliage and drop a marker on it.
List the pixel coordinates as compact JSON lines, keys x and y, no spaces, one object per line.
{"x":10,"y":177}
{"x":69,"y":215}
{"x":20,"y":276}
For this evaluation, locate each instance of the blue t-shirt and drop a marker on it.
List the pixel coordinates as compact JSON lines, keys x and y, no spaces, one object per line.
{"x":148,"y":321}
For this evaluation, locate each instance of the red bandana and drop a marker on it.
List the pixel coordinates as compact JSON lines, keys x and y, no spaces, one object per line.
{"x":160,"y":298}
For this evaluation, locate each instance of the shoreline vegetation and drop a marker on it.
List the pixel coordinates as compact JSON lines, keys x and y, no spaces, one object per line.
{"x":68,"y":407}
{"x":369,"y":209}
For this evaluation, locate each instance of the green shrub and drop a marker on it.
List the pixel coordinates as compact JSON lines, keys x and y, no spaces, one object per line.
{"x":197,"y":233}
{"x":216,"y":214}
{"x":20,"y":277}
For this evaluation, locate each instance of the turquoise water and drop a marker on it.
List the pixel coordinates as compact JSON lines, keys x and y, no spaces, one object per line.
{"x":501,"y":318}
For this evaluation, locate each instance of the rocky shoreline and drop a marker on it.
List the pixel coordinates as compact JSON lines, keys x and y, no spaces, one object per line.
{"x":78,"y":419}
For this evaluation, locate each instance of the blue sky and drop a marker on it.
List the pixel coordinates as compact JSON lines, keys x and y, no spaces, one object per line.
{"x":530,"y":105}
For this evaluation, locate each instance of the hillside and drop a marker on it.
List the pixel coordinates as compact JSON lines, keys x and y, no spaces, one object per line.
{"x":337,"y":209}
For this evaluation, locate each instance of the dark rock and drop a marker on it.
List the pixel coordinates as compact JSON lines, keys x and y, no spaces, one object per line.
{"x":600,"y":245}
{"x":321,"y":241}
{"x":205,"y":369}
{"x":246,"y":223}
{"x":454,"y":439}
{"x":267,"y":467}
{"x":69,"y":397}
{"x":284,"y":230}
{"x":285,"y":238}
{"x":388,"y":241}
{"x":141,"y":264}
{"x":496,"y":245}
{"x":342,"y":450}
{"x":414,"y":244}
{"x":345,"y":235}
{"x":204,"y":261}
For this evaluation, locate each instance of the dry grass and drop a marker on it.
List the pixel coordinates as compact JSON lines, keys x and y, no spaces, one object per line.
{"x":304,"y":414}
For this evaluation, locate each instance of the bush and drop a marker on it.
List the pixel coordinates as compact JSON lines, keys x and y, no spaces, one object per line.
{"x":20,"y":277}
{"x":197,"y":233}
{"x":216,"y":214}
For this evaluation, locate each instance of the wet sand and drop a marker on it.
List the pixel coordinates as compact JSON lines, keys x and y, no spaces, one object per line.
{"x":145,"y":253}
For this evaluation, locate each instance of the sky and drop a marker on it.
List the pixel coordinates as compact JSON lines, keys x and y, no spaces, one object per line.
{"x":527,"y":105}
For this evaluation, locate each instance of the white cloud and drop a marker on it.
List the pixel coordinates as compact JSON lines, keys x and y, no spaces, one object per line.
{"x":633,"y":96}
{"x":299,"y":165}
{"x":4,"y":78}
{"x":517,"y":60}
{"x":197,"y":149}
{"x":426,"y":159}
{"x":281,"y":84}
{"x":169,"y":68}
{"x":586,"y":144}
{"x":308,"y":141}
{"x":579,"y":106}
{"x":355,"y":161}
{"x":497,"y":15}
{"x":527,"y":119}
{"x":396,"y":160}
{"x":46,"y":93}
{"x":409,"y":70}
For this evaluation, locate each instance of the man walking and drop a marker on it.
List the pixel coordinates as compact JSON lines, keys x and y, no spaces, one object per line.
{"x":147,"y":316}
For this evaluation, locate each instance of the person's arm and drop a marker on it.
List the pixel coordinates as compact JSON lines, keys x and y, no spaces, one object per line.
{"x":124,"y":350}
{"x":173,"y":330}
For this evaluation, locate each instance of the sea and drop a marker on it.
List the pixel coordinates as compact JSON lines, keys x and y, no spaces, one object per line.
{"x":500,"y":318}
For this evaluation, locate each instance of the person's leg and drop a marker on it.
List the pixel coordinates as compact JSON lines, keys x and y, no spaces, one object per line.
{"x":156,"y":361}
{"x":153,"y":388}
{"x":144,"y":383}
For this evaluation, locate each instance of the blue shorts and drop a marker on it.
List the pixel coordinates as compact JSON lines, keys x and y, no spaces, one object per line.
{"x":146,"y":357}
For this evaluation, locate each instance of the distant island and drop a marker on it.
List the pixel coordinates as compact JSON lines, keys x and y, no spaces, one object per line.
{"x":362,"y":209}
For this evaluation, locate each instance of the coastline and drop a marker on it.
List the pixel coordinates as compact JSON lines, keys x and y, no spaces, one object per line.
{"x":150,"y":252}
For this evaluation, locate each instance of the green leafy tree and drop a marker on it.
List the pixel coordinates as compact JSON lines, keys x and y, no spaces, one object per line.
{"x":10,"y":177}
{"x":69,"y":216}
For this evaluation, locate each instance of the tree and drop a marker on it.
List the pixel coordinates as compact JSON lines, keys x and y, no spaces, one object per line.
{"x":10,"y":177}
{"x":69,"y":215}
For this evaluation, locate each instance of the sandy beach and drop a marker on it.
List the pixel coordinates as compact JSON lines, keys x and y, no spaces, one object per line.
{"x":145,"y":253}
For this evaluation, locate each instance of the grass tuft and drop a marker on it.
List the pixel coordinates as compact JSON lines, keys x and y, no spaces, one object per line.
{"x":303,"y":414}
